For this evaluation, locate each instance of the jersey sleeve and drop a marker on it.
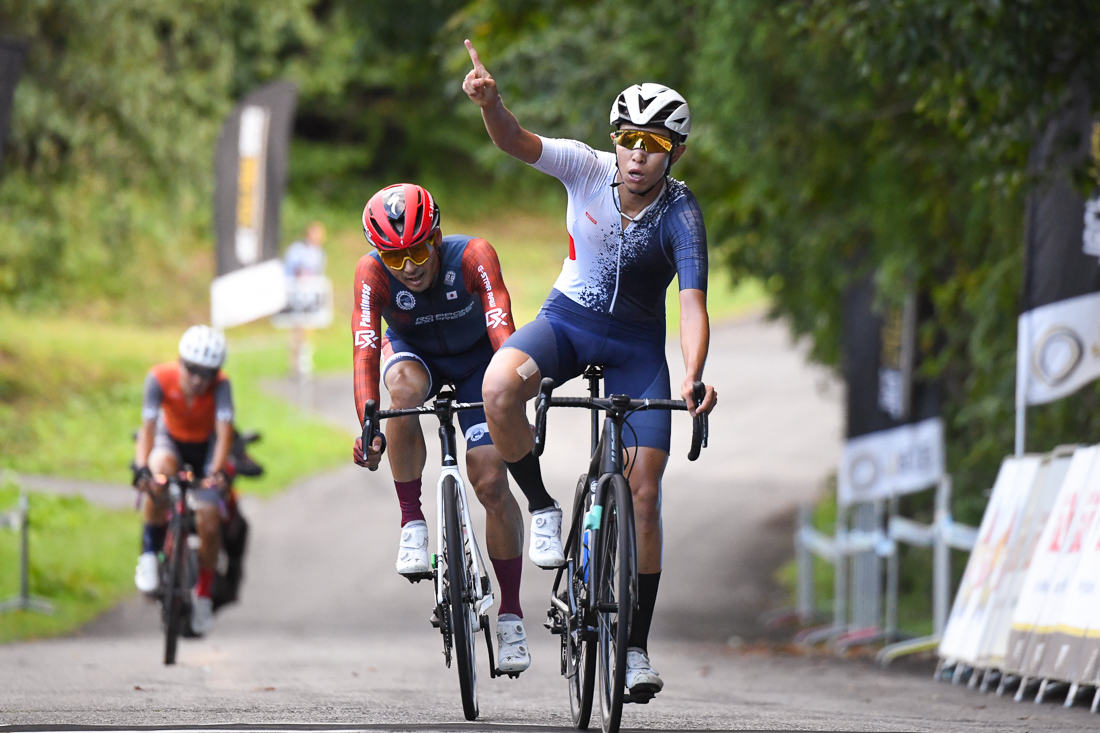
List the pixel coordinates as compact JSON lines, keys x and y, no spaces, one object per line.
{"x":688,"y":241}
{"x":151,"y":398}
{"x":372,"y":288}
{"x":481,"y":271}
{"x":573,"y":163}
{"x":223,"y":401}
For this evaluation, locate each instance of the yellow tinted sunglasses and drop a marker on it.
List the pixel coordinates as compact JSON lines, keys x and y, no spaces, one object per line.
{"x":647,"y":141}
{"x":418,"y":253}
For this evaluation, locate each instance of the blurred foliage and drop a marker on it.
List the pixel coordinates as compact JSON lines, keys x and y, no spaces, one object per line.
{"x":831,"y":138}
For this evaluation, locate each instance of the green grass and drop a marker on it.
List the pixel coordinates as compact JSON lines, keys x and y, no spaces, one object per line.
{"x":73,"y":397}
{"x":81,"y":561}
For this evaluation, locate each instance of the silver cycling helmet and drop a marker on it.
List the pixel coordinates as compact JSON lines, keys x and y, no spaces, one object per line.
{"x":653,"y":104}
{"x":203,"y":346}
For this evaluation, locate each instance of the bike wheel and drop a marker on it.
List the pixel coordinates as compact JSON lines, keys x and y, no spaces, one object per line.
{"x":173,"y":602}
{"x":579,"y":649}
{"x":614,"y":599}
{"x":459,"y":581}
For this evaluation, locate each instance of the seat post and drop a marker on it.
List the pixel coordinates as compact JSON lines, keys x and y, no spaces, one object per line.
{"x":594,"y":373}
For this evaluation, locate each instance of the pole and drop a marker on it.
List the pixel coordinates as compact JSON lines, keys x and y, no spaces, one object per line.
{"x":25,"y":601}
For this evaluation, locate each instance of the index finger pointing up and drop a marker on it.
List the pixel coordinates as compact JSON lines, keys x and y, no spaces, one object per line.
{"x":474,"y":56}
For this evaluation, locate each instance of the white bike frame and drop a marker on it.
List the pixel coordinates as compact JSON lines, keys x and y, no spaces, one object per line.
{"x":483,"y":598}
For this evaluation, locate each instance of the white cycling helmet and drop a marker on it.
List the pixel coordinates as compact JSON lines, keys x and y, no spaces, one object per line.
{"x":652,"y":104}
{"x":203,"y":346}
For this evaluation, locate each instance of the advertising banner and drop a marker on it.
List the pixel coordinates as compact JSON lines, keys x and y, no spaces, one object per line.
{"x":1044,"y":587}
{"x":12,"y":55}
{"x":309,"y":303}
{"x":895,"y":435}
{"x":1058,"y":333}
{"x":1021,"y":546}
{"x":982,"y":578}
{"x":250,"y":168}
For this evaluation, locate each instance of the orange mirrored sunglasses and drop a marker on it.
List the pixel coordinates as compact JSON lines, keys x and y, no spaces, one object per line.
{"x":647,"y":141}
{"x":418,"y":253}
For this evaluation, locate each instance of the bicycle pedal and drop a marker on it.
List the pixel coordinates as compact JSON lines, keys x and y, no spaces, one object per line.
{"x":513,"y":675}
{"x":417,"y":577}
{"x":434,"y":620}
{"x":640,"y":698}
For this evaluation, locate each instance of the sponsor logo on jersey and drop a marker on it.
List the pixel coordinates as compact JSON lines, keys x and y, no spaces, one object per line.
{"x":488,"y":285}
{"x":476,"y":433}
{"x":590,"y":218}
{"x":449,"y":278}
{"x":405,"y":300}
{"x":453,"y":315}
{"x":452,"y":295}
{"x":366,"y":338}
{"x":495,"y":318}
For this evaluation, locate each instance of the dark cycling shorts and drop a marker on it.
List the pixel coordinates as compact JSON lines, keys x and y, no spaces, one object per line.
{"x":195,"y":455}
{"x":566,"y":337}
{"x":465,"y":371}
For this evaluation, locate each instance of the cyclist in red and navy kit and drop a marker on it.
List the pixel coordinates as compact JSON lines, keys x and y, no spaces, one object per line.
{"x":632,"y":229}
{"x":447,"y":311}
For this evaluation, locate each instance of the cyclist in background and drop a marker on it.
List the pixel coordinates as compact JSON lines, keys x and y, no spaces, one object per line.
{"x":631,"y":229}
{"x":187,"y":417}
{"x":447,"y":311}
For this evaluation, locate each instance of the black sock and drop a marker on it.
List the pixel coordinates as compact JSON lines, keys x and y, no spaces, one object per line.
{"x":152,"y":537}
{"x":528,"y":474}
{"x":643,"y":617}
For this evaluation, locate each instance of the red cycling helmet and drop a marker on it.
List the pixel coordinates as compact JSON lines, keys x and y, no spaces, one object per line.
{"x":400,"y":216}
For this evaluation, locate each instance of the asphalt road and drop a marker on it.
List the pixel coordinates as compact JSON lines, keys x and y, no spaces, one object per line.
{"x":328,"y":635}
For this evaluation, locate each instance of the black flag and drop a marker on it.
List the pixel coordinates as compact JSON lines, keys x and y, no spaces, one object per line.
{"x":1061,"y":299}
{"x":12,"y":54}
{"x":895,"y":435}
{"x":250,"y":167}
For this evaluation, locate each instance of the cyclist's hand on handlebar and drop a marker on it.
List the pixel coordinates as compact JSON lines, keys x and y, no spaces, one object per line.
{"x":479,"y":84}
{"x":374,"y":455}
{"x":218,"y":480}
{"x":704,"y":407}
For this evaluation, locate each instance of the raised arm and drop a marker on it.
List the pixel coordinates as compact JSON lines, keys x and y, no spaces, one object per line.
{"x":501,"y":124}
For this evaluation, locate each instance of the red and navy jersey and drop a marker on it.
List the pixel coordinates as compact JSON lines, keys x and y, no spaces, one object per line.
{"x":467,"y":302}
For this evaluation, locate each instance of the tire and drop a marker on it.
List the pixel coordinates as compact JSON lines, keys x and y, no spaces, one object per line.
{"x":173,"y":602}
{"x":580,"y":652}
{"x":614,"y":597}
{"x":459,"y":589}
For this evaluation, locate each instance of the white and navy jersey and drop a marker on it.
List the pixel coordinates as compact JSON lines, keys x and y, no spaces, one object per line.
{"x":620,"y":272}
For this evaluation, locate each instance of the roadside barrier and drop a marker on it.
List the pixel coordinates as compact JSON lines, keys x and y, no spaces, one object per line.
{"x":865,"y":608}
{"x":19,"y":520}
{"x":1026,"y":617}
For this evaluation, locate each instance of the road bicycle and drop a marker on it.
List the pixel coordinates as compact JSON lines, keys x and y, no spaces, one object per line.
{"x":595,"y":593}
{"x":178,"y":562}
{"x":463,"y":591}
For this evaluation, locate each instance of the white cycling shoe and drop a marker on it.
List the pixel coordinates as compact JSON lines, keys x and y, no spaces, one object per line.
{"x":546,"y":550}
{"x":513,"y":655}
{"x":202,"y":614}
{"x":412,"y":552}
{"x":146,"y":576}
{"x":641,"y":679}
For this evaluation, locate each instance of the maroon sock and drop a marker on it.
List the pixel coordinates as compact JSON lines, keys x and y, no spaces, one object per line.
{"x":206,"y":580}
{"x":408,"y":494}
{"x":508,"y":572}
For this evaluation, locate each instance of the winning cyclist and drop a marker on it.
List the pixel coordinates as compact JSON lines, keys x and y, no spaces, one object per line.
{"x":447,"y":311}
{"x":631,"y":229}
{"x":187,"y":417}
